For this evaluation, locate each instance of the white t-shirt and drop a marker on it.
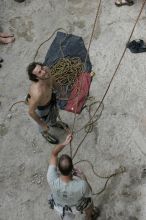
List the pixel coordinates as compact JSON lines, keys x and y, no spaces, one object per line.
{"x":67,"y":193}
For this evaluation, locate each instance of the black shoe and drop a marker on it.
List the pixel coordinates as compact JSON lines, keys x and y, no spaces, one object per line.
{"x":1,"y":60}
{"x":19,"y":1}
{"x":50,"y":138}
{"x":136,"y":46}
{"x":61,"y":125}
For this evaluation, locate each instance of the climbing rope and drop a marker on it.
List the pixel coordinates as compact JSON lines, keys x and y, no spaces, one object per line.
{"x":117,"y":67}
{"x":93,"y":29}
{"x":58,"y":29}
{"x":66,"y":71}
{"x":88,"y":127}
{"x":101,"y":102}
{"x":117,"y":172}
{"x":122,"y":56}
{"x":15,"y":103}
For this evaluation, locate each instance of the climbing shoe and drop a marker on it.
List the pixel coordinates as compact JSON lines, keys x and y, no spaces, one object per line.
{"x":60,"y":124}
{"x":50,"y":138}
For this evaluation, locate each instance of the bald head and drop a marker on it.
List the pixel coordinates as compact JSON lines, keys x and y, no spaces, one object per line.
{"x":65,"y":165}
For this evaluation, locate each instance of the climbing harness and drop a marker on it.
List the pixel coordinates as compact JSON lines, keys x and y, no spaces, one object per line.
{"x":83,"y":203}
{"x":51,"y":202}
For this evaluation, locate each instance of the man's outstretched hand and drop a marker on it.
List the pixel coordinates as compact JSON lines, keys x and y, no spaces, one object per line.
{"x":68,"y":139}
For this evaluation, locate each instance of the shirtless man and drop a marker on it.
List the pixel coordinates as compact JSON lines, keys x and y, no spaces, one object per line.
{"x":41,"y":100}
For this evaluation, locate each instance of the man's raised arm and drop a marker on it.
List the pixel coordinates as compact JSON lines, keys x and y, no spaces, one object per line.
{"x":58,"y":148}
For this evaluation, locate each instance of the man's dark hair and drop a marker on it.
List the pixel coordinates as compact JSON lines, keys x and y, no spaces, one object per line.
{"x":65,"y":165}
{"x":30,"y":69}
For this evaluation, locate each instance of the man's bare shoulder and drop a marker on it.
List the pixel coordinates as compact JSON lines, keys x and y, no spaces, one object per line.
{"x":35,"y":92}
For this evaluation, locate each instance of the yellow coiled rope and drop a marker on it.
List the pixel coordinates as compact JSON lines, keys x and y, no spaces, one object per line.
{"x":67,"y":70}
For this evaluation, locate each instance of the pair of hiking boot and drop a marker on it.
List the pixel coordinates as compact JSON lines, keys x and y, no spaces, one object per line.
{"x":51,"y":138}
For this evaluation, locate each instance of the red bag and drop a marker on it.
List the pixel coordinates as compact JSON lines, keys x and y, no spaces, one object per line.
{"x":79,"y":93}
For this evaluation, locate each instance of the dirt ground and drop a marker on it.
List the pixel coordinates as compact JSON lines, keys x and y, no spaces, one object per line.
{"x":118,"y":138}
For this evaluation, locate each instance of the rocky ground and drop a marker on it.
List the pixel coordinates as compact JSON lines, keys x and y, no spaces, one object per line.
{"x":118,"y":138}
